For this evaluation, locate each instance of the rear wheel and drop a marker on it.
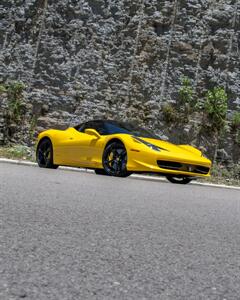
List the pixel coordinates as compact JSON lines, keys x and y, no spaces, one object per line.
{"x":179,"y":180}
{"x":45,"y":155}
{"x":115,"y":160}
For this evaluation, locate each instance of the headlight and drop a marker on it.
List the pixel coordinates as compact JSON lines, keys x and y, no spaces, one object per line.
{"x":153,"y":147}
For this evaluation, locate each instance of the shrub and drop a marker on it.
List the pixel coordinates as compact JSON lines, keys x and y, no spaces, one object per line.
{"x":188,"y":101}
{"x":237,"y":138}
{"x":169,"y":113}
{"x":215,"y":107}
{"x":15,"y":101}
{"x":2,"y":89}
{"x":18,"y":152}
{"x":186,"y":92}
{"x":236,"y":120}
{"x":222,"y":174}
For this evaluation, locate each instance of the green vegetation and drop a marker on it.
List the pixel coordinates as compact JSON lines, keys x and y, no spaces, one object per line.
{"x":235,"y":127}
{"x":186,"y":96}
{"x":215,"y":107}
{"x":2,"y":89}
{"x":220,"y":174}
{"x":32,"y":128}
{"x":169,"y":113}
{"x":209,"y":114}
{"x":186,"y":105}
{"x":237,"y":138}
{"x":235,"y":122}
{"x":15,"y":114}
{"x":18,"y":152}
{"x":16,"y":105}
{"x":214,"y":123}
{"x":180,"y":112}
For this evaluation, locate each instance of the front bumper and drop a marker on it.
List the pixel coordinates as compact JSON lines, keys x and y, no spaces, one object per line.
{"x":167,"y":163}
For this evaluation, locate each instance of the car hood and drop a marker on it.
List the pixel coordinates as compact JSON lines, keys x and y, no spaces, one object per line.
{"x":182,"y":150}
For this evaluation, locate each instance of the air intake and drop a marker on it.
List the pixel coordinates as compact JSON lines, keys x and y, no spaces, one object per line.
{"x":171,"y":165}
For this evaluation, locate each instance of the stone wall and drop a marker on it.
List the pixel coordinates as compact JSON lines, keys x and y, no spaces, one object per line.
{"x":83,"y":59}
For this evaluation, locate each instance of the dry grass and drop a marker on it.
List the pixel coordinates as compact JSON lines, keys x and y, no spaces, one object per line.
{"x":18,"y":152}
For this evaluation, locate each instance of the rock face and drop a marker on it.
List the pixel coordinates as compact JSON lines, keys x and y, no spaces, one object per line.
{"x":83,"y":59}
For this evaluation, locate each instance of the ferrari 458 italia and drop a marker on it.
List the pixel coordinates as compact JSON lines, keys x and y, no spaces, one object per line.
{"x":120,"y":149}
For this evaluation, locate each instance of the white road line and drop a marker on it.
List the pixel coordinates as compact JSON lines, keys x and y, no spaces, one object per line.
{"x":136,"y":176}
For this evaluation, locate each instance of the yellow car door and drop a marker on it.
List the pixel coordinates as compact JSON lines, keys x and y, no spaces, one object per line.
{"x":66,"y":148}
{"x":82,"y":149}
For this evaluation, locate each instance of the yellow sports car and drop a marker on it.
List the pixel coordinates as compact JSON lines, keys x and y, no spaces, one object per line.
{"x":119,"y":149}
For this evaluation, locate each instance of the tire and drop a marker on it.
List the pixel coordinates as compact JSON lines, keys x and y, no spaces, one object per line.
{"x":45,"y":155}
{"x":179,"y":180}
{"x":115,"y":160}
{"x":100,"y":172}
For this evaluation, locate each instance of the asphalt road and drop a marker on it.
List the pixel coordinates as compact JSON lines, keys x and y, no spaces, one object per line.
{"x":71,"y":235}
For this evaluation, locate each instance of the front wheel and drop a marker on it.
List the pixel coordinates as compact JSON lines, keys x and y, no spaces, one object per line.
{"x":100,"y":172}
{"x":179,"y":180}
{"x":45,"y":155}
{"x":115,"y":160}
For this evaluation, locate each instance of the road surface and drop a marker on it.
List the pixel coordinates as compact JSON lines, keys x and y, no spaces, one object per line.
{"x":72,"y":235}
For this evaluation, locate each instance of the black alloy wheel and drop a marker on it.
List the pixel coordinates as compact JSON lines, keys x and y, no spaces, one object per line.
{"x":115,"y":160}
{"x":179,"y":179}
{"x":45,"y":155}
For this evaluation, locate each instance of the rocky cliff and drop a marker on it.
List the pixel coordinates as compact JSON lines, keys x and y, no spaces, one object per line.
{"x":82,"y":59}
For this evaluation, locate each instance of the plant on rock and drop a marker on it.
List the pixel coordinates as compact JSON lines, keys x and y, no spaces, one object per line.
{"x":181,"y":111}
{"x":214,"y":117}
{"x":16,"y":105}
{"x":235,"y":122}
{"x":186,"y":96}
{"x":169,"y":113}
{"x":13,"y":109}
{"x":235,"y":127}
{"x":2,"y":89}
{"x":215,"y":107}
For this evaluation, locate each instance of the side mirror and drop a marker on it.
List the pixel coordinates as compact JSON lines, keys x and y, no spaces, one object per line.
{"x":92,"y":132}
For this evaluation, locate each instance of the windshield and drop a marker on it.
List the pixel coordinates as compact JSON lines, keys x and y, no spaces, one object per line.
{"x":113,"y":127}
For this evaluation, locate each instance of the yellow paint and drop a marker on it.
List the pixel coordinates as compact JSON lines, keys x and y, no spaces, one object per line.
{"x":74,"y":148}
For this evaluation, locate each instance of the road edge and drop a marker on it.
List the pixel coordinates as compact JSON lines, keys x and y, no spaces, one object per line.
{"x":135,"y":176}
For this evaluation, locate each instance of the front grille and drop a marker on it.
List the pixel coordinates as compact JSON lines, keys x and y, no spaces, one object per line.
{"x":171,"y":165}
